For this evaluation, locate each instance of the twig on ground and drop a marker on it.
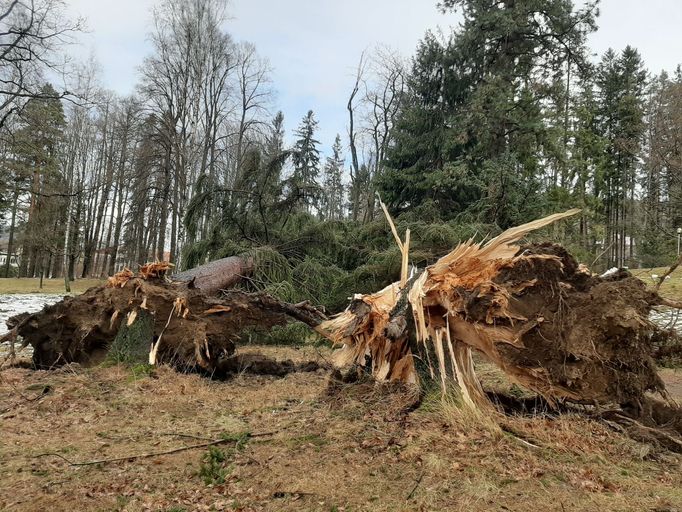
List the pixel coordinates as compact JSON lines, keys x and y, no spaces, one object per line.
{"x":518,"y":437}
{"x":414,"y":489}
{"x":147,"y":455}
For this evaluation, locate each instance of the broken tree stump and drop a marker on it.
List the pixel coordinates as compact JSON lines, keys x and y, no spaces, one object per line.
{"x":545,"y":321}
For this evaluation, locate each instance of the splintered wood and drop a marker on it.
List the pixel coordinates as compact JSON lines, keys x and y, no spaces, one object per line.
{"x":157,"y":269}
{"x":546,"y":322}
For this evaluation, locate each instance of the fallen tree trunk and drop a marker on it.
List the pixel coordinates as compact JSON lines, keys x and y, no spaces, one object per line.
{"x":544,"y":320}
{"x":171,"y":322}
{"x":217,"y":275}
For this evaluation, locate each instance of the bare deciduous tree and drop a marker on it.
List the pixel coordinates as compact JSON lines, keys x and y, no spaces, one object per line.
{"x":30,"y":33}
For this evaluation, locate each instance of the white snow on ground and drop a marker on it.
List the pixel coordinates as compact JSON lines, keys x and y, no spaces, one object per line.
{"x":667,"y":318}
{"x":11,"y":305}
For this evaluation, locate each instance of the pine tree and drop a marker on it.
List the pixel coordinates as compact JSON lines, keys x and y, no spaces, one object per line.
{"x":419,"y":162}
{"x":621,"y":80}
{"x":306,"y":159}
{"x":36,"y":168}
{"x":472,"y":133}
{"x":333,"y":183}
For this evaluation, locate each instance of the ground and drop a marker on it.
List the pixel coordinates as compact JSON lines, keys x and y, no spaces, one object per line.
{"x":671,"y":287}
{"x":356,"y":447}
{"x":295,"y":443}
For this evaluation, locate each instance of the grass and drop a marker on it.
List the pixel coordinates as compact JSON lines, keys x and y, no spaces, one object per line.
{"x":671,"y":288}
{"x":308,"y":450}
{"x":14,"y":285}
{"x":213,"y":469}
{"x":216,"y":463}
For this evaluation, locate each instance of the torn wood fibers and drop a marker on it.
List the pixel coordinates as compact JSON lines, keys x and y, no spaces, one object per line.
{"x":546,"y":321}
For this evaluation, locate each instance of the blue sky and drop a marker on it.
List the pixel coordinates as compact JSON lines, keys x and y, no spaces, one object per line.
{"x":314,"y":45}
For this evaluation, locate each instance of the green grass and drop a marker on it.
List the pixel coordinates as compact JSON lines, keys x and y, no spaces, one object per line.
{"x":671,"y":288}
{"x":216,"y":463}
{"x":12,"y":285}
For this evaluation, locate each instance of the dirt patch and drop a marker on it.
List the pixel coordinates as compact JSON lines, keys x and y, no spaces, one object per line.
{"x":353,"y":449}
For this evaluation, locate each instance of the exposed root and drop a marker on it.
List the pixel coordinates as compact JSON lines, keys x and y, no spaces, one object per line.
{"x":550,"y":325}
{"x":546,"y":322}
{"x":189,"y":329}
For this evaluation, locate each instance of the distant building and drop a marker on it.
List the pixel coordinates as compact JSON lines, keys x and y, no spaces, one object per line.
{"x":4,"y":241}
{"x":13,"y":260}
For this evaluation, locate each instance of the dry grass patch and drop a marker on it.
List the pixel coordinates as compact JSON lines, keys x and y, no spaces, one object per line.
{"x":14,"y":285}
{"x":356,"y":447}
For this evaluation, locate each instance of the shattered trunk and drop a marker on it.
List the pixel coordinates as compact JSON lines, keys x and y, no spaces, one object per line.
{"x":547,"y":322}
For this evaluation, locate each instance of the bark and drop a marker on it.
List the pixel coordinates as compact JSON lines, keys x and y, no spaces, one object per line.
{"x":217,"y":275}
{"x":545,"y":321}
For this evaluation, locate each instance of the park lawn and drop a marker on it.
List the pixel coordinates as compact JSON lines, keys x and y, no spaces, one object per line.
{"x":302,"y":442}
{"x":14,"y":285}
{"x":671,"y":288}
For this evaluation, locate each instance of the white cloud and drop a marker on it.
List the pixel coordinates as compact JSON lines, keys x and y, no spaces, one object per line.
{"x":314,"y":45}
{"x":653,"y":27}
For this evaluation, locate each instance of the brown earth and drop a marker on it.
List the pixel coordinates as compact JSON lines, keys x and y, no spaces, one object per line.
{"x":189,"y":328}
{"x":358,"y":448}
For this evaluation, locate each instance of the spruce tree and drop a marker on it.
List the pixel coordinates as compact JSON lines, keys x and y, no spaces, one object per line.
{"x":621,"y":81}
{"x":333,"y":183}
{"x":306,"y":159}
{"x":472,"y":132}
{"x":36,"y":168}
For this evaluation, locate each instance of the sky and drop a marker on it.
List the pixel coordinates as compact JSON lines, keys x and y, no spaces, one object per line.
{"x":314,"y":45}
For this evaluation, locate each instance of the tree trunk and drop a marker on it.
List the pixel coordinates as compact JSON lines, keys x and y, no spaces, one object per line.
{"x":191,"y":327}
{"x":217,"y":275}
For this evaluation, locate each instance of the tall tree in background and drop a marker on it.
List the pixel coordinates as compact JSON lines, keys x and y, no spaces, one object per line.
{"x":419,"y":163}
{"x":621,"y":81}
{"x":373,"y":107}
{"x":662,"y":177}
{"x":480,"y":98}
{"x":37,"y":168}
{"x":31,"y":33}
{"x":306,"y":158}
{"x":190,"y":62}
{"x":333,"y":183}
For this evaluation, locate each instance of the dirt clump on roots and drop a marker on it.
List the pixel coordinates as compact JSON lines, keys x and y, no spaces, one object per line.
{"x":547,"y":322}
{"x":590,"y":336}
{"x":161,"y":322}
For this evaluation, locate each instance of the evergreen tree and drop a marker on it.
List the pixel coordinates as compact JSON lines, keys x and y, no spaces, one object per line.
{"x":36,"y":172}
{"x":477,"y":101}
{"x":333,"y":183}
{"x":621,"y":80}
{"x":306,"y":159}
{"x":586,"y":154}
{"x":419,"y":163}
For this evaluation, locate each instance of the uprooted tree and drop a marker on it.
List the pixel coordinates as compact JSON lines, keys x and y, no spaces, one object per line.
{"x":545,"y":321}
